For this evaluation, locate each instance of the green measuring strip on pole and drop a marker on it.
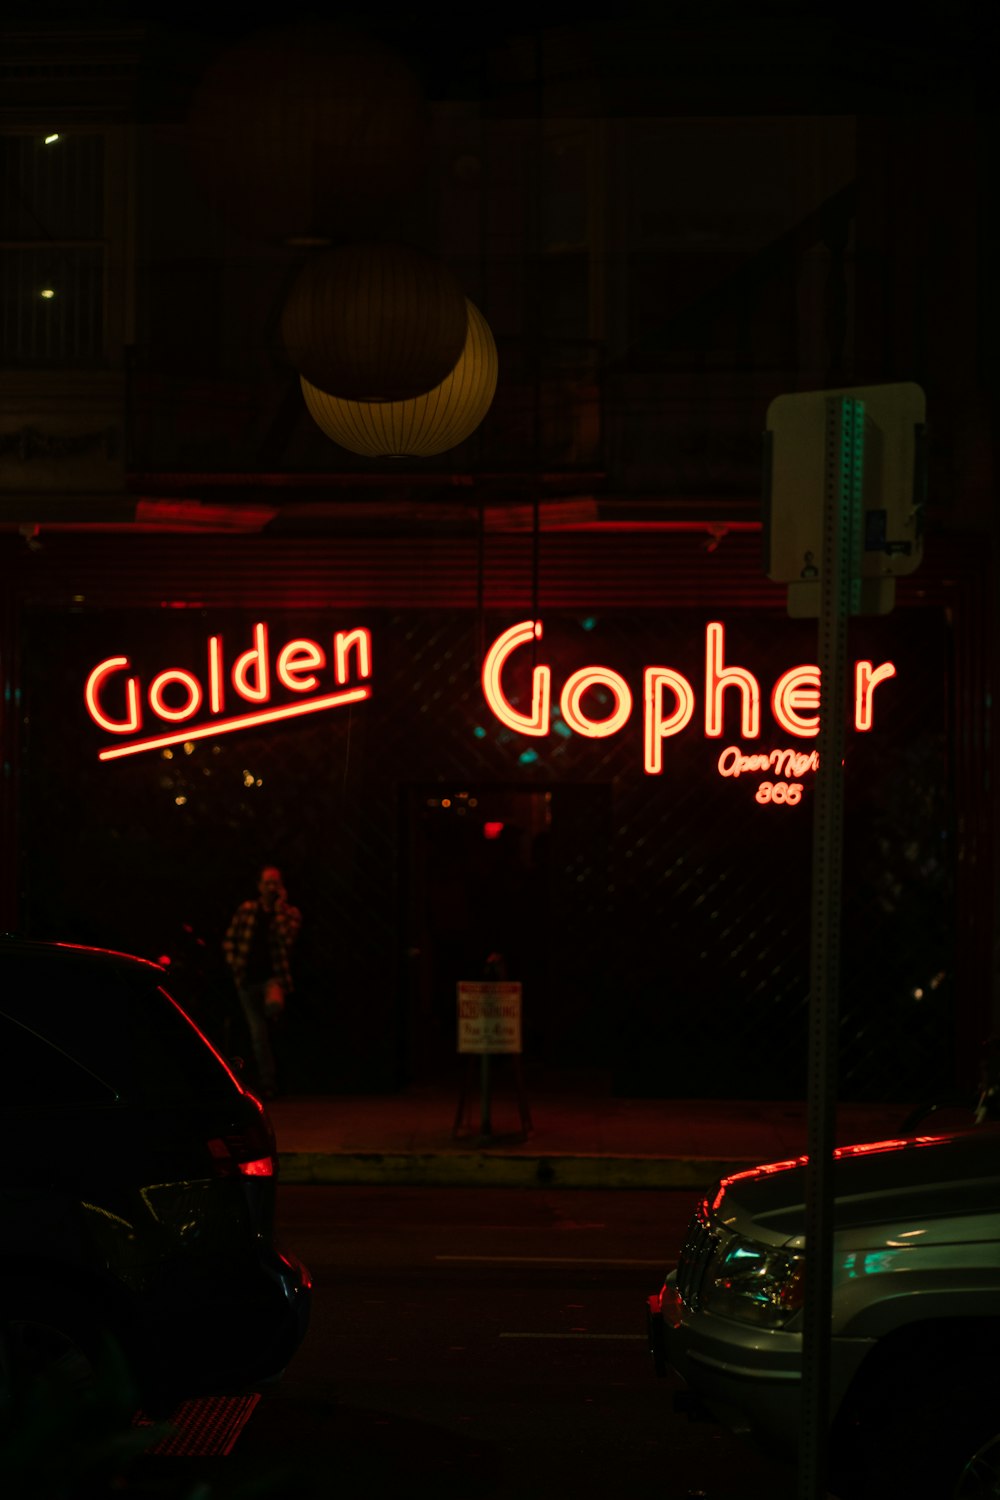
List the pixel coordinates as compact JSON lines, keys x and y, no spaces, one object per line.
{"x":852,"y":482}
{"x":877,"y":468}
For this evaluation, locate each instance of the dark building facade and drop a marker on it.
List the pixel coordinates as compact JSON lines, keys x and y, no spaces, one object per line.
{"x":655,"y":268}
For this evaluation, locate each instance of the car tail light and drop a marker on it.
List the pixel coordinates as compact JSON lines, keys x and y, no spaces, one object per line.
{"x":246,"y":1153}
{"x":262,"y":1167}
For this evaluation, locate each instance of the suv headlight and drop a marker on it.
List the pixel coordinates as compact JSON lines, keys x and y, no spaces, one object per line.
{"x":752,"y":1283}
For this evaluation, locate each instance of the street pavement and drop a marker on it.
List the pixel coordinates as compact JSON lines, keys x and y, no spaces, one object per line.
{"x":581,"y":1136}
{"x":484,"y":1345}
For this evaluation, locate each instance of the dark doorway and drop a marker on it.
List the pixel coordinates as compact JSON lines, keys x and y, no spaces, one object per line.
{"x":512,"y":871}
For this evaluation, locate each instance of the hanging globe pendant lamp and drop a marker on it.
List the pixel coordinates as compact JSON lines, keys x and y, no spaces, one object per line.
{"x":423,"y":425}
{"x":374,"y":322}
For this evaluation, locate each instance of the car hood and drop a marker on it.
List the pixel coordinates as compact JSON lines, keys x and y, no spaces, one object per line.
{"x":875,"y":1182}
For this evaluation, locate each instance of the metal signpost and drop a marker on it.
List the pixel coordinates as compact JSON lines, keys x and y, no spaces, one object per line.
{"x":844,"y":460}
{"x":837,"y":544}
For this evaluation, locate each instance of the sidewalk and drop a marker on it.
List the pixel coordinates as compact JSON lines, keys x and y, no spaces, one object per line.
{"x":582,"y":1136}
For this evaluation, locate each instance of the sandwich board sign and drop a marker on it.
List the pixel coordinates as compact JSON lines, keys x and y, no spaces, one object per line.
{"x":489,"y":1015}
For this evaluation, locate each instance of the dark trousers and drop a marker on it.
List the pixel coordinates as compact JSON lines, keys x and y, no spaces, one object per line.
{"x":252,"y":1001}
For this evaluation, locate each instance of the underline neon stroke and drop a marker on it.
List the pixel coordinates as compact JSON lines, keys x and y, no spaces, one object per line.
{"x":242,"y":721}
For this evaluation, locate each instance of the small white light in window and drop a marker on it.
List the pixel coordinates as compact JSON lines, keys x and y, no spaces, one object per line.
{"x":47,"y":293}
{"x":180,"y":801}
{"x":50,"y":138}
{"x":189,"y":747}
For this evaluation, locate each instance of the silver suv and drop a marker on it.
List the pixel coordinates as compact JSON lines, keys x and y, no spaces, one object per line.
{"x":915,"y":1365}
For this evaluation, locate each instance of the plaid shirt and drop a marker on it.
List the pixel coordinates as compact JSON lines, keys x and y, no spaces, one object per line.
{"x":284,"y":931}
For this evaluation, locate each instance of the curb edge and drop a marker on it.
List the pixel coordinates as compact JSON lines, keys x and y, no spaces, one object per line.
{"x":481,"y":1169}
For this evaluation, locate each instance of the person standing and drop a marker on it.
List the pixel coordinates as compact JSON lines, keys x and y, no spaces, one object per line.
{"x":258,"y":946}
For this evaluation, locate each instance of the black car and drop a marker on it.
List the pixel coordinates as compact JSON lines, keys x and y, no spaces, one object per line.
{"x":138,"y":1190}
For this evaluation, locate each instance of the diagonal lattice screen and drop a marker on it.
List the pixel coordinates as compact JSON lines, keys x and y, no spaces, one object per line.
{"x":660,"y":923}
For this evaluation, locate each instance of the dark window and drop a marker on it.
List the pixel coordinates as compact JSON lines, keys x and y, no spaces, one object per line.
{"x":35,"y":1074}
{"x":52,"y":249}
{"x":116,"y":1022}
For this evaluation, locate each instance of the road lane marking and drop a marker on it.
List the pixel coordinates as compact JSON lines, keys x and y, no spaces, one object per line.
{"x":554,"y":1260}
{"x":572,"y":1336}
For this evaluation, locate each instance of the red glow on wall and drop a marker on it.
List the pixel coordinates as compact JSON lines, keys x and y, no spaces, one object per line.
{"x":492,"y":830}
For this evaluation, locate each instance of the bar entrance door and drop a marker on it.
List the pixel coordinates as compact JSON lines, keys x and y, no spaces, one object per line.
{"x":511,"y":875}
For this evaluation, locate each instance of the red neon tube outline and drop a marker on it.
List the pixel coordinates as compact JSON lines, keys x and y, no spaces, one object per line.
{"x":97,"y":676}
{"x":215,"y":696}
{"x":537,"y":723}
{"x":361,"y":640}
{"x":719,"y":677}
{"x":656,"y":728}
{"x":309,"y":654}
{"x":258,"y":653}
{"x":243,"y":721}
{"x":578,"y":684}
{"x":795,"y":690}
{"x":161,"y":709}
{"x":866,"y":679}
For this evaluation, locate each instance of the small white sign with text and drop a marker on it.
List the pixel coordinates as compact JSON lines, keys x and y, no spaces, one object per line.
{"x":489,"y":1015}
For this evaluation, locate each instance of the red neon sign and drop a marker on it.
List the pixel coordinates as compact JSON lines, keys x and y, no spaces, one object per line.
{"x":115,"y":701}
{"x":669,"y":702}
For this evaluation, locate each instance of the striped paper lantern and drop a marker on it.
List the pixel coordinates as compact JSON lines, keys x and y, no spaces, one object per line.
{"x":423,"y":425}
{"x":375,"y":322}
